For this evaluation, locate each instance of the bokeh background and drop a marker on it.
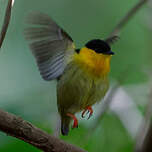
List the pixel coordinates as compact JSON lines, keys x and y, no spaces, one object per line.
{"x":24,"y":93}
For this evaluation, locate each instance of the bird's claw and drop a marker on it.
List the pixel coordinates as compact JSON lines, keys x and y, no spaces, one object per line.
{"x":75,"y":120}
{"x":89,"y":110}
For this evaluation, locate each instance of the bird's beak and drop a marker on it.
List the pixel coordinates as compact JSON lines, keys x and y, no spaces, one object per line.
{"x":110,"y":53}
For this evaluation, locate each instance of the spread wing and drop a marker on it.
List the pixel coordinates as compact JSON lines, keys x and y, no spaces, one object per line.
{"x":50,"y":45}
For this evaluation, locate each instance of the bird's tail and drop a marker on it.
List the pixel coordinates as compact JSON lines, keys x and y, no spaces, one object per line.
{"x":65,"y":122}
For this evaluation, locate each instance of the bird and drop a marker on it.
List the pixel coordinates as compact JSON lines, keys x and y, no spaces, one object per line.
{"x":81,"y":74}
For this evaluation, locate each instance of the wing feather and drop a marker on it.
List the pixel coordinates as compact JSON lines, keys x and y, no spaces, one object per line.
{"x":49,"y":44}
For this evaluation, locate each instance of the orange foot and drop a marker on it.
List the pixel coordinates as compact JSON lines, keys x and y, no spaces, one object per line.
{"x":90,"y":111}
{"x":75,"y":123}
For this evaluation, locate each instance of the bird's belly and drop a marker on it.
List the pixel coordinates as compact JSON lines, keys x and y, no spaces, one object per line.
{"x":76,"y":90}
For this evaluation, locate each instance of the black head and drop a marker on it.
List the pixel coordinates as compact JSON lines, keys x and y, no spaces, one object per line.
{"x":99,"y":46}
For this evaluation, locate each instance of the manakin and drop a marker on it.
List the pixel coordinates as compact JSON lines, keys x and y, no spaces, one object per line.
{"x":82,"y":74}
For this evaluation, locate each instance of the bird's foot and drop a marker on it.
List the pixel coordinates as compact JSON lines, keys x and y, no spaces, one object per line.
{"x":90,"y":111}
{"x":75,"y":120}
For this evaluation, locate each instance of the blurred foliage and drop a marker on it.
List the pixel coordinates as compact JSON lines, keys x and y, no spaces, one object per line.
{"x":23,"y":92}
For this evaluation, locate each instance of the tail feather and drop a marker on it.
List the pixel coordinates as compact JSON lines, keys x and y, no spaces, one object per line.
{"x":65,"y":126}
{"x":64,"y":129}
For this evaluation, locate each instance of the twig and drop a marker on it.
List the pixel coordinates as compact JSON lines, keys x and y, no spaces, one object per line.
{"x":144,"y":138}
{"x":113,"y":37}
{"x":146,"y":147}
{"x":21,"y":129}
{"x":6,"y":22}
{"x":116,"y":31}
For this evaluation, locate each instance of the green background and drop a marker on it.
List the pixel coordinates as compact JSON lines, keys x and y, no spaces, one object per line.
{"x":24,"y":93}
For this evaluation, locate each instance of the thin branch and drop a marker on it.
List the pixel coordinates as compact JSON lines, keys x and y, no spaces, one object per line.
{"x":116,"y":31}
{"x":6,"y":22}
{"x":144,"y":138}
{"x":111,"y":39}
{"x":23,"y":130}
{"x":146,"y":147}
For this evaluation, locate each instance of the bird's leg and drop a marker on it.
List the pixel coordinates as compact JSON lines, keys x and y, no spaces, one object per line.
{"x":90,"y":111}
{"x":75,"y":123}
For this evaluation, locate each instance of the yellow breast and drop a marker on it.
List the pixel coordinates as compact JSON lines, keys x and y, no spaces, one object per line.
{"x":95,"y":64}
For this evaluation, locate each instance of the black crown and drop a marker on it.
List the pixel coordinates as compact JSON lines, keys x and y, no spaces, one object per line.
{"x":98,"y":46}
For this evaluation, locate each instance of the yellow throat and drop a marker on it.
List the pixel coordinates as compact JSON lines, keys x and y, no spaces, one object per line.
{"x":95,"y":64}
